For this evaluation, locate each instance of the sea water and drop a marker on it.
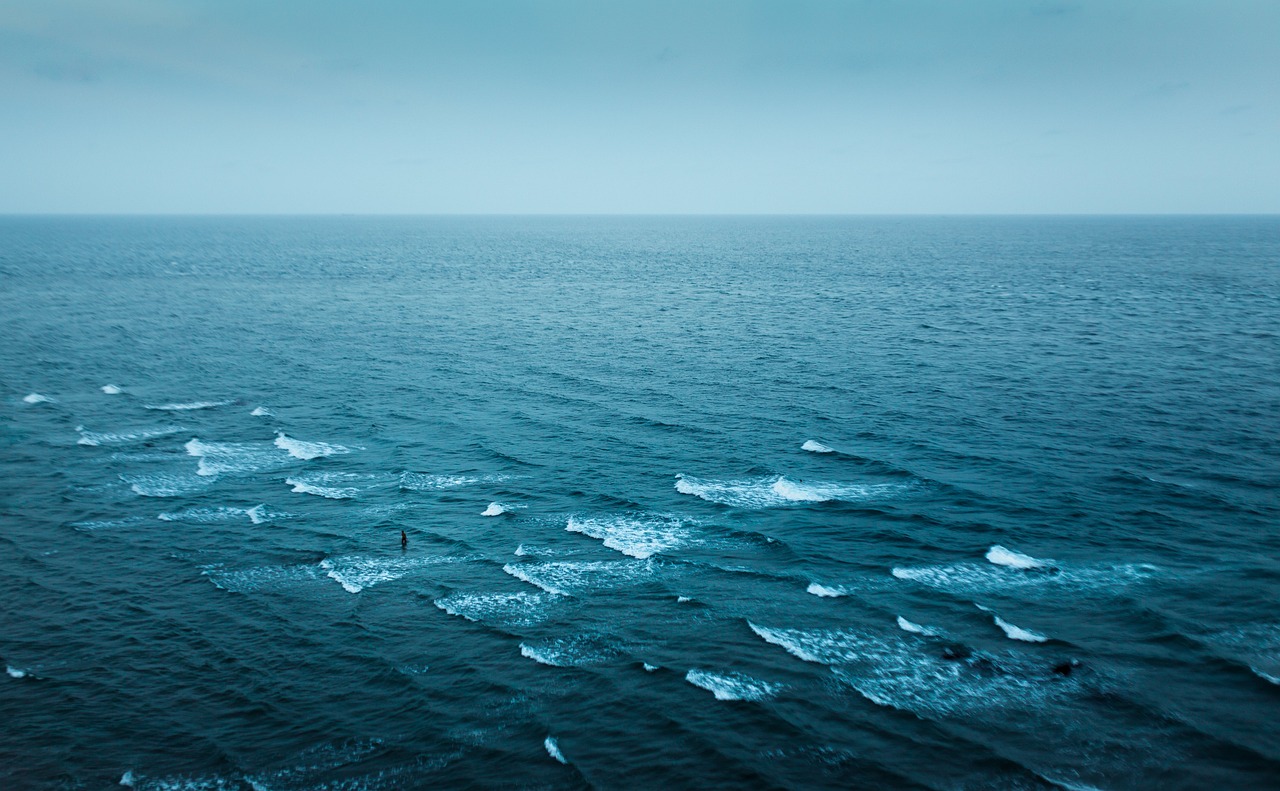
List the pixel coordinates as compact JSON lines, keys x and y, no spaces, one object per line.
{"x":690,"y":502}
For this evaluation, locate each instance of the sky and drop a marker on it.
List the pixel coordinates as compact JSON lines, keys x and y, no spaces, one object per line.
{"x":692,"y":106}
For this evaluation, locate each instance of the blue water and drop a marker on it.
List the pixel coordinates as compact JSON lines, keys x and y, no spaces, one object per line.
{"x":690,"y":502}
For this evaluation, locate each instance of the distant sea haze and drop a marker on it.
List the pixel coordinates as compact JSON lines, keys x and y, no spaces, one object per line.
{"x":688,"y":502}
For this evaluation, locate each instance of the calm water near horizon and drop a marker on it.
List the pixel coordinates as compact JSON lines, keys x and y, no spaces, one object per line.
{"x":703,"y":502}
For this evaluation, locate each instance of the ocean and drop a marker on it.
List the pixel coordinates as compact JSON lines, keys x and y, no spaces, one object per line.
{"x":689,"y":502}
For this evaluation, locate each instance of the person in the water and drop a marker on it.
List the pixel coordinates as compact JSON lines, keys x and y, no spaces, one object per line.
{"x":404,"y":540}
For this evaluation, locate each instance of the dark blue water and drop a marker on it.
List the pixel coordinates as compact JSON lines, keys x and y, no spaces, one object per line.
{"x":694,"y":503}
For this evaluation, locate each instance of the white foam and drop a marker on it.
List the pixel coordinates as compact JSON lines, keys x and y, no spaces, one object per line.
{"x":1265,"y":676}
{"x":234,"y":458}
{"x":914,"y":628}
{"x":300,"y":449}
{"x":166,"y":485}
{"x":506,"y":609}
{"x":112,"y":389}
{"x":975,"y":578}
{"x":574,"y":578}
{"x":421,"y":482}
{"x":127,"y":778}
{"x":640,"y":537}
{"x":261,"y":411}
{"x":777,"y":491}
{"x":553,"y":749}
{"x":576,"y":651}
{"x":36,"y":398}
{"x":355,"y":574}
{"x":187,"y":407}
{"x":909,"y":674}
{"x":262,"y":577}
{"x":95,"y":438}
{"x":258,"y":514}
{"x":648,"y":668}
{"x":732,"y":686}
{"x":520,"y":551}
{"x":813,"y":446}
{"x":15,"y":672}
{"x":683,"y":600}
{"x":208,"y":515}
{"x":322,"y":485}
{"x":1007,"y":557}
{"x":495,"y":509}
{"x":824,"y":591}
{"x":1018,"y":633}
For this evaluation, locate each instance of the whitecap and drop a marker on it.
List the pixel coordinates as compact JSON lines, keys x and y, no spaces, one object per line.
{"x":906,"y":673}
{"x":553,"y":749}
{"x":974,"y":578}
{"x":300,"y":449}
{"x":112,"y":389}
{"x":127,"y":779}
{"x":648,"y":668}
{"x":637,"y":536}
{"x":574,"y":578}
{"x":326,"y":484}
{"x":1018,"y":633}
{"x":683,"y":600}
{"x":15,"y":672}
{"x":824,"y":591}
{"x":166,"y":485}
{"x":36,"y":398}
{"x":494,"y":509}
{"x":422,"y":482}
{"x":575,"y":651}
{"x":813,"y":446}
{"x":505,"y":609}
{"x":915,"y":628}
{"x":732,"y":686}
{"x":1007,"y":557}
{"x":95,"y":438}
{"x":208,"y":515}
{"x":187,"y":407}
{"x":355,"y":574}
{"x":235,"y":458}
{"x":778,"y":491}
{"x":261,"y":411}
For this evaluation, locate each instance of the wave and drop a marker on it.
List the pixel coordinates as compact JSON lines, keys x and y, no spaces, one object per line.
{"x":355,"y":574}
{"x":36,"y":398}
{"x":553,"y":749}
{"x":188,"y":407}
{"x":576,"y":578}
{"x":909,"y":673}
{"x":1015,"y":632}
{"x":15,"y":672}
{"x":1016,"y":560}
{"x":639,"y":537}
{"x":504,"y":609}
{"x":261,"y":411}
{"x":300,"y":449}
{"x":100,"y":524}
{"x":576,"y":651}
{"x":777,"y":491}
{"x":422,"y":482}
{"x":95,"y":438}
{"x":235,"y":458}
{"x":112,"y":389}
{"x":732,"y":686}
{"x":1256,"y":645}
{"x":166,"y":485}
{"x":261,"y":578}
{"x":648,"y":668}
{"x":494,"y":509}
{"x":973,"y":578}
{"x":824,"y":591}
{"x":813,"y":446}
{"x":209,"y":516}
{"x":322,"y":485}
{"x":915,"y":628}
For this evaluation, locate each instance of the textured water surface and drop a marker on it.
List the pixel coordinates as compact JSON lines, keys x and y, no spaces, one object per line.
{"x":697,"y":503}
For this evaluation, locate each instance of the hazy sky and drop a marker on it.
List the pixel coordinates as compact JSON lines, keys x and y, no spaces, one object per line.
{"x":864,"y":106}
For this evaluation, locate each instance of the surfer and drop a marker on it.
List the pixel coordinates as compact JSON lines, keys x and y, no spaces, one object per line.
{"x":404,"y":540}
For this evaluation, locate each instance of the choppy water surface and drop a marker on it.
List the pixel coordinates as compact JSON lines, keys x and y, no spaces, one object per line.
{"x":696,"y":503}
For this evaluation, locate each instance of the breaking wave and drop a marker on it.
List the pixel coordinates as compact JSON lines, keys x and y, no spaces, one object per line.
{"x":1016,"y":560}
{"x":234,"y":458}
{"x":569,"y":578}
{"x":503,"y":609}
{"x":95,"y":438}
{"x":187,"y":407}
{"x":778,"y":491}
{"x":300,"y":449}
{"x":732,"y":686}
{"x":576,"y":651}
{"x":36,"y":398}
{"x":640,"y":537}
{"x":813,"y":446}
{"x":112,"y":389}
{"x":166,"y":485}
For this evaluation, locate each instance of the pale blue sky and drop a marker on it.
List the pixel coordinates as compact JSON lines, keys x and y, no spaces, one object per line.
{"x":861,"y":106}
